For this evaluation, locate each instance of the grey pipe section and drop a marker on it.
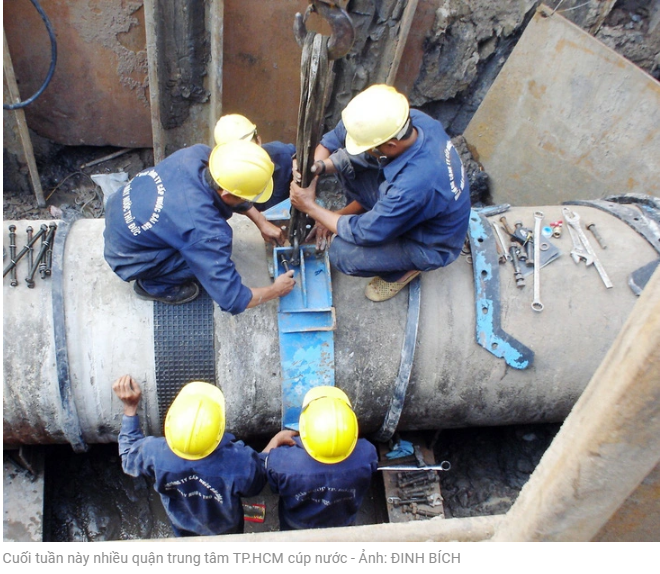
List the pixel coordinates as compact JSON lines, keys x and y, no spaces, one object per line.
{"x":454,"y":382}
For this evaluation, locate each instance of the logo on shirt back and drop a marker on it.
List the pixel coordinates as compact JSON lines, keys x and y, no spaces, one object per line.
{"x":194,"y":486}
{"x":135,"y":227}
{"x":451,"y":153}
{"x":326,"y":495}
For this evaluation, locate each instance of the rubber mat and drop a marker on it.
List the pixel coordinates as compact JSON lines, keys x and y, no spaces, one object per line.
{"x":183,"y":345}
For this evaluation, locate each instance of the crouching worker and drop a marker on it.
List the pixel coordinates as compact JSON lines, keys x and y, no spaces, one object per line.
{"x":322,"y":474}
{"x":199,"y":471}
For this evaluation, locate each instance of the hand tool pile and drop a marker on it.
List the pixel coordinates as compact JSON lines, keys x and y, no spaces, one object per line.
{"x":530,"y":250}
{"x":416,"y":494}
{"x":42,"y":262}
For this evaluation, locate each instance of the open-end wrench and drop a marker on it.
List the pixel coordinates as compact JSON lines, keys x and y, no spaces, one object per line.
{"x":578,"y":252}
{"x":573,"y":220}
{"x":12,"y":254}
{"x":536,"y":303}
{"x":500,"y":238}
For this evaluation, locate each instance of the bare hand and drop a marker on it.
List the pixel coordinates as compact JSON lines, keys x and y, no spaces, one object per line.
{"x":284,"y":283}
{"x":303,"y":198}
{"x":322,"y":235}
{"x":284,"y":437}
{"x":271,"y":233}
{"x":129,"y":392}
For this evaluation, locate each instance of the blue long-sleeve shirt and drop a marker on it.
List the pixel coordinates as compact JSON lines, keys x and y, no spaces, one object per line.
{"x":317,"y":495}
{"x":422,"y":195}
{"x":168,"y":215}
{"x":201,"y":497}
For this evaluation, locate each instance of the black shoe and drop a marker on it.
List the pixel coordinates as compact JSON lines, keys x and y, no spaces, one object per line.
{"x":179,"y":294}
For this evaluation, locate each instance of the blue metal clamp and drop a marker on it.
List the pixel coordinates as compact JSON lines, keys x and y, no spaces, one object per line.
{"x":487,"y":297}
{"x":306,"y":321}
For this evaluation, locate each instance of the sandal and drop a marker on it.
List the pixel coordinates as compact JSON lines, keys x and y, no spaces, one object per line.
{"x":378,"y":290}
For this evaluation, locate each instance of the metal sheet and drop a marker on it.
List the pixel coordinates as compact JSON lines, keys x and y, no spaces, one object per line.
{"x":567,"y":118}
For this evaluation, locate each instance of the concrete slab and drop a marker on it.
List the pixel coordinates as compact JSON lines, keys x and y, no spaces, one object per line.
{"x":567,"y":118}
{"x":22,"y":499}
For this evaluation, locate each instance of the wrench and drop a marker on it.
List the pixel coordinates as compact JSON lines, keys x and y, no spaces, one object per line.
{"x":573,"y":220}
{"x":536,"y":303}
{"x":578,"y":252}
{"x":498,"y":233}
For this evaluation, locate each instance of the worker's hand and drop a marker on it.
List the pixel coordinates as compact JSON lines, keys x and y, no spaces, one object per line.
{"x":284,"y":437}
{"x":129,"y":392}
{"x":322,"y":235}
{"x":318,"y":167}
{"x":303,"y":198}
{"x":284,"y":283}
{"x":295,"y":172}
{"x":271,"y":233}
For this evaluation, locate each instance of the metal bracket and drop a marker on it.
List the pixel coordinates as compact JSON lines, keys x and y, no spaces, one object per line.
{"x":405,"y":367}
{"x":70,"y":419}
{"x":485,"y":263}
{"x":306,"y":321}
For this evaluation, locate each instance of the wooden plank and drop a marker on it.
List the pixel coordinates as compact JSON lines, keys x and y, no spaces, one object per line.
{"x":216,"y":29}
{"x":185,"y":93}
{"x":157,"y":130}
{"x":14,"y":97}
{"x":404,"y":29}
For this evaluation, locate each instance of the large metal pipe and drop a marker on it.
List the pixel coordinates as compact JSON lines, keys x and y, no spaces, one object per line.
{"x":454,"y":383}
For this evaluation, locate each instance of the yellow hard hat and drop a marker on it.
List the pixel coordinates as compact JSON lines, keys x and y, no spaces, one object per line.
{"x":243,"y":169}
{"x":232,"y":127}
{"x":328,"y":426}
{"x":373,"y":117}
{"x":195,"y":422}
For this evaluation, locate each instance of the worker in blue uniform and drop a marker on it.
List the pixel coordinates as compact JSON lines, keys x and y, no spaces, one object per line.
{"x":167,"y":228}
{"x":408,"y":194}
{"x":231,"y":127}
{"x":323,"y":472}
{"x":199,"y":470}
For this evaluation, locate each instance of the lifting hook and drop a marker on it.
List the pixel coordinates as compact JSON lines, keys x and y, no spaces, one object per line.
{"x":343,"y":32}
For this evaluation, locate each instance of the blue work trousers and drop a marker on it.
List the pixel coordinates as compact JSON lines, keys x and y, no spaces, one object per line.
{"x":389,"y":261}
{"x":174,"y":272}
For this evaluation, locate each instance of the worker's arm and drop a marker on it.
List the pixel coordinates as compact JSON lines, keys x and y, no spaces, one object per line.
{"x":283,"y":285}
{"x":304,"y":199}
{"x":284,"y":437}
{"x":129,"y":392}
{"x":270,"y":232}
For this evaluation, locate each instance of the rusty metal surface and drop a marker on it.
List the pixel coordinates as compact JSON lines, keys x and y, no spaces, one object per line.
{"x":567,"y":118}
{"x":99,"y":92}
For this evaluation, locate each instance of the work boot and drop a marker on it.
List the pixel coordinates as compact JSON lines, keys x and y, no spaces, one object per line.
{"x":177,"y":295}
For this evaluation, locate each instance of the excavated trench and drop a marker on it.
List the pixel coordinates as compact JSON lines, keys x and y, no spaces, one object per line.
{"x":89,"y":498}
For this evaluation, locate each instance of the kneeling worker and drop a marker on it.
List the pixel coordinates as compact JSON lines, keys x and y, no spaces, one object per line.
{"x":199,"y":471}
{"x":232,"y":127}
{"x":168,"y":227}
{"x":322,"y":475}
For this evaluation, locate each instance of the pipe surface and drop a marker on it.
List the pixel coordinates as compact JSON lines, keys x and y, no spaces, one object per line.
{"x":454,"y":381}
{"x":606,"y":447}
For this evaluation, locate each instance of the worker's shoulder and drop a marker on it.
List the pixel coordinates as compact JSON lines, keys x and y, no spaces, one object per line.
{"x":276,"y":148}
{"x":198,"y":151}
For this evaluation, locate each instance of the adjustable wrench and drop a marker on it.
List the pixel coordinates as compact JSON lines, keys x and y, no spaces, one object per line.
{"x":578,"y":252}
{"x":573,"y":220}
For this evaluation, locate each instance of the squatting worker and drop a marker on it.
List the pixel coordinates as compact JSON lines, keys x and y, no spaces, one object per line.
{"x":408,"y":194}
{"x":168,"y":226}
{"x":232,"y":127}
{"x":199,"y":470}
{"x":322,"y":474}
